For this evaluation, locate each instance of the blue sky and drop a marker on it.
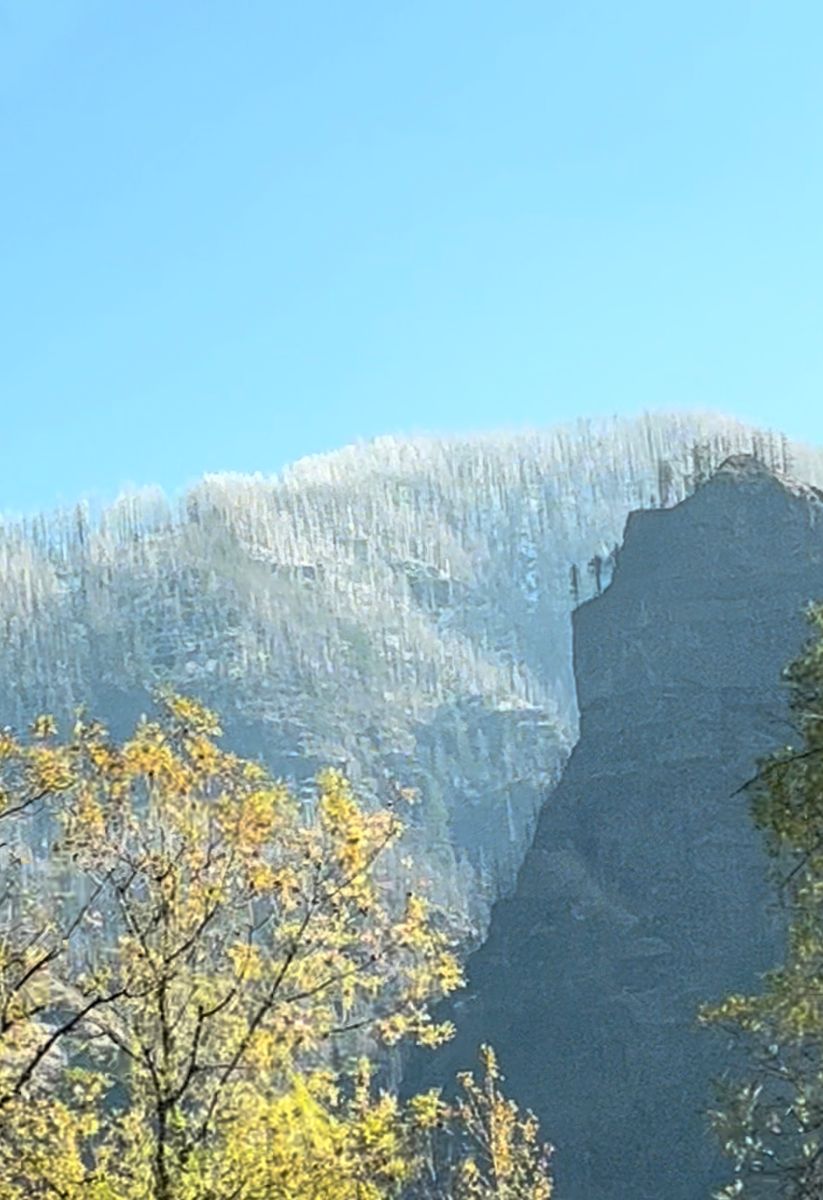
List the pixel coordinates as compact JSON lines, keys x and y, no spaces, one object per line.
{"x":237,"y":233}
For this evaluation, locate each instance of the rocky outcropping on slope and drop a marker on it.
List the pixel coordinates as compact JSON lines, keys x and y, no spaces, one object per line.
{"x":645,"y":890}
{"x":398,"y":608}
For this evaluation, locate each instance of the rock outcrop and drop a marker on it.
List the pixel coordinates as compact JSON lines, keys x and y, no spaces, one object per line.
{"x":398,"y":608}
{"x":645,"y":890}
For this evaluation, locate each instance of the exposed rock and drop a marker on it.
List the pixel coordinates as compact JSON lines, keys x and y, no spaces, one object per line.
{"x":645,"y":891}
{"x":397,"y":608}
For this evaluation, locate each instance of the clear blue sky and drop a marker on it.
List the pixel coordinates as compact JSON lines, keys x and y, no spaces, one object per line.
{"x":237,"y":233}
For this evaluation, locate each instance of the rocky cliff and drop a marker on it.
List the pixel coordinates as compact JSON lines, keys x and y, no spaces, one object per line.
{"x":399,"y":609}
{"x":645,"y":890}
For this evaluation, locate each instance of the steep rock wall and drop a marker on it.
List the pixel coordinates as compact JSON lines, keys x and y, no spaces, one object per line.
{"x":645,"y":890}
{"x":399,"y":608}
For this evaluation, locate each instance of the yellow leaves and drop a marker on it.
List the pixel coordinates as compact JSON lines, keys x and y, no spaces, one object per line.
{"x":530,"y":1129}
{"x":43,"y":726}
{"x":87,"y":1087}
{"x":256,"y":817}
{"x":323,"y":1085}
{"x":413,"y":931}
{"x":357,"y":837}
{"x":22,"y":1035}
{"x":448,"y":973}
{"x":262,"y":877}
{"x":287,"y":886}
{"x":804,"y":936}
{"x":47,"y":1141}
{"x":488,"y":1061}
{"x":348,"y":993}
{"x":417,"y":933}
{"x":337,"y":806}
{"x":263,"y":1053}
{"x":393,"y":1028}
{"x":246,"y":960}
{"x":790,"y":1008}
{"x":433,"y":1035}
{"x":504,"y":1158}
{"x":413,"y":1023}
{"x":88,"y":814}
{"x":252,"y":821}
{"x":240,"y":936}
{"x":427,"y":1110}
{"x":9,"y":746}
{"x":307,"y":1144}
{"x":469,"y":1173}
{"x":103,"y":758}
{"x":502,"y":1121}
{"x":419,"y":982}
{"x":766,"y":1114}
{"x":341,"y":817}
{"x":204,"y":755}
{"x":732,"y":1009}
{"x":50,"y":769}
{"x":378,"y":1123}
{"x":361,"y":1076}
{"x":190,"y":713}
{"x":148,"y":754}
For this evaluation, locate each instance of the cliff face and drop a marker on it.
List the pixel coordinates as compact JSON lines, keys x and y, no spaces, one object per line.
{"x":645,"y":889}
{"x":399,"y":609}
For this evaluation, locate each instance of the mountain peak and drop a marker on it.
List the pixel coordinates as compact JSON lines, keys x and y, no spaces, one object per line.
{"x":745,"y":466}
{"x":749,"y":469}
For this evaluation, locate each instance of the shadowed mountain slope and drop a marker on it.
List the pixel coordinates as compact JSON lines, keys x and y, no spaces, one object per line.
{"x":645,"y":890}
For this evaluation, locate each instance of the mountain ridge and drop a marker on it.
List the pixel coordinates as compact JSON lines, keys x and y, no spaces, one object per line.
{"x":399,"y":609}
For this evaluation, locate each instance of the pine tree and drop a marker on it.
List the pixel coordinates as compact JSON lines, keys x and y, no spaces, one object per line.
{"x":665,"y":482}
{"x":596,"y":570}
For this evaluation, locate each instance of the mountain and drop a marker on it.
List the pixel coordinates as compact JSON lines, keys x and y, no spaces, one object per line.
{"x":399,"y":609}
{"x":645,"y":890}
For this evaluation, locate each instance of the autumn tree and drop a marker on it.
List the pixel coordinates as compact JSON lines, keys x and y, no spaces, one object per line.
{"x":184,"y":952}
{"x":480,"y":1147}
{"x":771,"y":1122}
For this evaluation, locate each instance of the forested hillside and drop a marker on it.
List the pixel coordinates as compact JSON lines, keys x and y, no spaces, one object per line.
{"x":399,"y":609}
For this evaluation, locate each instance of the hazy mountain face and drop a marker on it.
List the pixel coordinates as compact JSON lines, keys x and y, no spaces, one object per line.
{"x":646,"y":891}
{"x":400,"y":609}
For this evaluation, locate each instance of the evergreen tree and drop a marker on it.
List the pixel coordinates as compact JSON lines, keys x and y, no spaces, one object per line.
{"x":596,"y":570}
{"x":786,"y":462}
{"x":665,"y":482}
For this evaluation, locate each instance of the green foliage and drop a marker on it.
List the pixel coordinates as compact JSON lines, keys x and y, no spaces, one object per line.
{"x":771,"y":1123}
